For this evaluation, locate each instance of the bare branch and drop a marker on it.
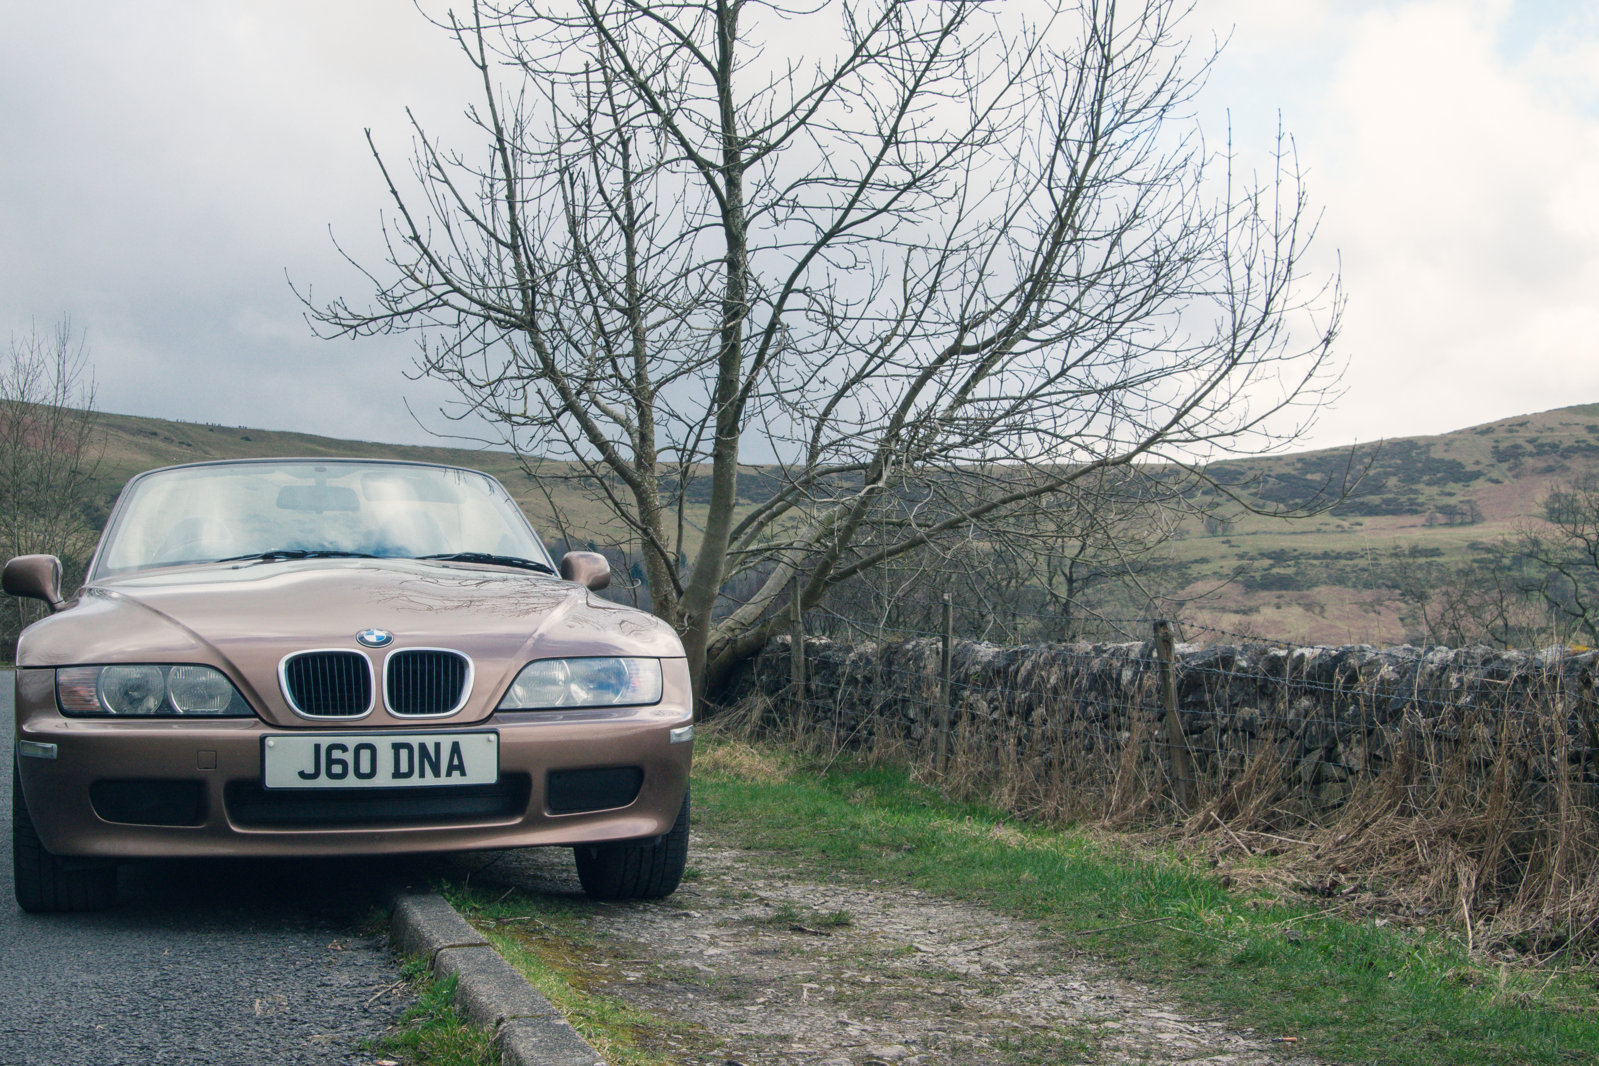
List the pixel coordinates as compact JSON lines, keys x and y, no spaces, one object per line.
{"x":925,"y":291}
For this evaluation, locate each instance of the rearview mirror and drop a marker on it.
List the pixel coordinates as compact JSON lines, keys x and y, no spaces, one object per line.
{"x":318,"y":498}
{"x":588,"y":569}
{"x":34,"y":577}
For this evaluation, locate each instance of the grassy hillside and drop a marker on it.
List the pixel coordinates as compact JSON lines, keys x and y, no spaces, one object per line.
{"x":1447,"y":498}
{"x":1444,"y":498}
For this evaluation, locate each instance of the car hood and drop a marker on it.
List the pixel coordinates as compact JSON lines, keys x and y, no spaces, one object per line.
{"x":244,"y":618}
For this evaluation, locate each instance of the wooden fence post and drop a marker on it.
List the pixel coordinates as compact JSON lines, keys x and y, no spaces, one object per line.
{"x":797,"y":651}
{"x":1180,"y":765}
{"x":947,"y":640}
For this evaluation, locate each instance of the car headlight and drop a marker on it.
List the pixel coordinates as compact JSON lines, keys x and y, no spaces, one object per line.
{"x":552,"y":683}
{"x":148,"y":690}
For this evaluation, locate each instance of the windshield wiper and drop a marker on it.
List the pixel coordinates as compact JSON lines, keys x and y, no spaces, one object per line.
{"x":277,"y":554}
{"x":488,"y":557}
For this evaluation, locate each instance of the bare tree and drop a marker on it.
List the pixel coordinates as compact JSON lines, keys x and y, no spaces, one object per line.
{"x":1493,"y":599}
{"x":1563,"y":556}
{"x":47,"y":456}
{"x":918,"y":279}
{"x":1085,"y":565}
{"x":1082,"y":567}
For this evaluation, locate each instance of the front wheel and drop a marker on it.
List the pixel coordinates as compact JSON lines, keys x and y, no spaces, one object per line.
{"x":635,"y":869}
{"x":51,"y":884}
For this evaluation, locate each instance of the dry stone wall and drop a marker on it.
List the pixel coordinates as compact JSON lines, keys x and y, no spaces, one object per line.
{"x":1326,"y":718}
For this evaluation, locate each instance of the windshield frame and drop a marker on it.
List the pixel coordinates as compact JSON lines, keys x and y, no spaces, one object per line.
{"x":97,"y":570}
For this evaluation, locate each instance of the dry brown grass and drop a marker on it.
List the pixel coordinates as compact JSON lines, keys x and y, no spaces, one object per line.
{"x":1494,"y":832}
{"x":726,"y":747}
{"x":1511,"y":858}
{"x":742,"y":760}
{"x":1490,"y":826}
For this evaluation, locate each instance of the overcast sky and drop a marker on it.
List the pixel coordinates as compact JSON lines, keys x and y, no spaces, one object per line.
{"x":164,"y":165}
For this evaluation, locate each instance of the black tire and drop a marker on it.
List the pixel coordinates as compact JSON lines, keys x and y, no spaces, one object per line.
{"x":53,"y":884}
{"x":635,"y":869}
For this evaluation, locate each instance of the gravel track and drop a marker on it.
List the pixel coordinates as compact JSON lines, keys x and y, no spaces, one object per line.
{"x":779,"y":969}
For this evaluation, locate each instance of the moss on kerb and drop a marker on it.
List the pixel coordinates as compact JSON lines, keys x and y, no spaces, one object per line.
{"x":488,"y":991}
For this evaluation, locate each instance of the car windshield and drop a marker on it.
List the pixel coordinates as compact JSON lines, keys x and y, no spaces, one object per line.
{"x":281,"y":510}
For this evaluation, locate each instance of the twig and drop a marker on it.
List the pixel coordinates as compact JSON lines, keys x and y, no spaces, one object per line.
{"x":466,"y":882}
{"x":841,"y":747}
{"x":1124,"y":925}
{"x":990,"y":944}
{"x":1307,"y":917}
{"x":1570,"y":941}
{"x":1274,"y":836}
{"x":380,"y":993}
{"x":1228,"y":830}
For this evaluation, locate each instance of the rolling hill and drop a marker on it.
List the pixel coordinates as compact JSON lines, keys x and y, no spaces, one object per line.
{"x":1322,"y":579}
{"x":1449,"y":498}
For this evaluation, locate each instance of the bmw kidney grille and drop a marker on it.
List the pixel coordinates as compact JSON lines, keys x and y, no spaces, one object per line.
{"x":328,"y":684}
{"x":427,"y":682}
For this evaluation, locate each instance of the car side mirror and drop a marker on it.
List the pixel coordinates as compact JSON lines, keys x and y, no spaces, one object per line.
{"x":586,"y":568}
{"x":34,"y":577}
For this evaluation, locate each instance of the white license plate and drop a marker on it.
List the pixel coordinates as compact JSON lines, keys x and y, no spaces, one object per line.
{"x":368,"y":760}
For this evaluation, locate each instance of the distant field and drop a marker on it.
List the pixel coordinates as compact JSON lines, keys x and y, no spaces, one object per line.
{"x":1316,"y":579}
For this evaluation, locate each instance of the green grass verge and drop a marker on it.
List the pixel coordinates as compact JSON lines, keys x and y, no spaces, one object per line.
{"x":1343,"y":990}
{"x":431,"y":1032}
{"x":1346,"y":990}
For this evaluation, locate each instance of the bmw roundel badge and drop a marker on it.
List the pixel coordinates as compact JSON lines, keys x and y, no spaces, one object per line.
{"x":375,"y":638}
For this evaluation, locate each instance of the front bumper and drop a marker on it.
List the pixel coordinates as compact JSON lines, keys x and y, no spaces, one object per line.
{"x":214,"y":769}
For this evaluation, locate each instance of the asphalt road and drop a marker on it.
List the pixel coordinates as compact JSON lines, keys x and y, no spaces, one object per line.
{"x":201,"y":962}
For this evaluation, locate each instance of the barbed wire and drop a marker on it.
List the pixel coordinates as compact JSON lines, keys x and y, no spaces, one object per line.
{"x":1252,"y":716}
{"x":853,"y":719}
{"x":1105,"y":698}
{"x":1218,"y":756}
{"x":1130,"y":625}
{"x":1396,"y":689}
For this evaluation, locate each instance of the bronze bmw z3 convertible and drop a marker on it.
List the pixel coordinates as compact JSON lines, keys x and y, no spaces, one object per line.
{"x":335,"y":657}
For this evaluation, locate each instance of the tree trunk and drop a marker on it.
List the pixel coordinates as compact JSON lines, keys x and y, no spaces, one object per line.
{"x":705,"y":582}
